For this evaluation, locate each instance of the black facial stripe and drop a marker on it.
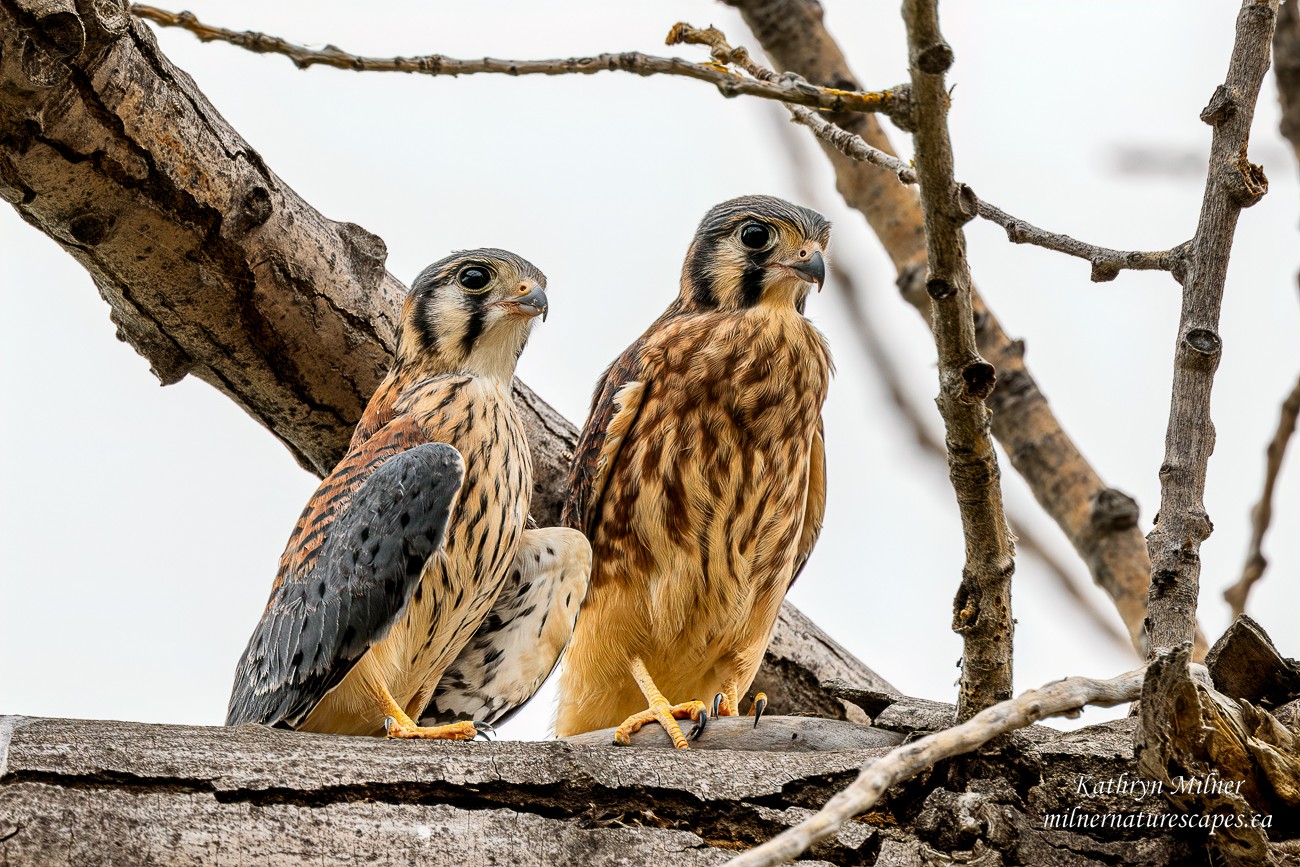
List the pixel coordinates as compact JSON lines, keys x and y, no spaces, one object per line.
{"x":701,"y":279}
{"x":751,"y":284}
{"x":474,"y":328}
{"x":425,"y":327}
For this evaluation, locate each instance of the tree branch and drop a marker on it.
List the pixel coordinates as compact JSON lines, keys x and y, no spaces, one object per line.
{"x":1100,"y":521}
{"x":982,"y":609}
{"x":1233,"y":183}
{"x":727,"y":82}
{"x":1063,"y":698}
{"x":1262,"y":515}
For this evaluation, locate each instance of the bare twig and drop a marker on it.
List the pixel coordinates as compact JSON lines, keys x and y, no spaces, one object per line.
{"x":1233,"y":183}
{"x":1063,"y":698}
{"x":1100,"y":521}
{"x":728,"y":82}
{"x":1106,"y":262}
{"x":982,"y":609}
{"x":1262,"y":515}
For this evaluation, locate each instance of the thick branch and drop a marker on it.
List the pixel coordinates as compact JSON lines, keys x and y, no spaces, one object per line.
{"x":727,"y":82}
{"x":1064,"y":698}
{"x":1233,"y":183}
{"x":1262,"y":514}
{"x":1101,"y":522}
{"x":213,"y":266}
{"x":982,"y":610}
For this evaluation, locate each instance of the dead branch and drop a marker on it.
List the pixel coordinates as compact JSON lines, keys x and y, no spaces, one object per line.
{"x":1100,"y":521}
{"x":726,"y":81}
{"x":982,"y":609}
{"x":1262,"y":514}
{"x":1063,"y":698}
{"x":1233,"y":184}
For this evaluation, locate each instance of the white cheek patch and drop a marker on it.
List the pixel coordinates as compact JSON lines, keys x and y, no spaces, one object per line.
{"x":449,"y":320}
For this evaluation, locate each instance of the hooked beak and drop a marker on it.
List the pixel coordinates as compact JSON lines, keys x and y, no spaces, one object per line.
{"x":813,"y":270}
{"x":531,"y":304}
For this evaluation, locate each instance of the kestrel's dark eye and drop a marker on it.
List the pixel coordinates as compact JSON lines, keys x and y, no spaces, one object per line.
{"x":755,"y":236}
{"x":474,"y":278}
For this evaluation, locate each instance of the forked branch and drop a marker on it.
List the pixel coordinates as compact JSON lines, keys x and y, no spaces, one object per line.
{"x":1233,"y":183}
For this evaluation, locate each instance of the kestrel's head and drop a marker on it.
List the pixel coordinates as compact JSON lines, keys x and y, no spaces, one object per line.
{"x":755,"y":250}
{"x":471,"y":313}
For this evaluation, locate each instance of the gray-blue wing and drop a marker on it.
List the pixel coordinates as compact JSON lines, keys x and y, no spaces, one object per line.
{"x":318,"y":624}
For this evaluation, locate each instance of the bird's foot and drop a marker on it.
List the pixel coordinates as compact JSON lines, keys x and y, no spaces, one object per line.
{"x":724,"y":705}
{"x":666,"y":715}
{"x":465,"y":730}
{"x":760,"y":705}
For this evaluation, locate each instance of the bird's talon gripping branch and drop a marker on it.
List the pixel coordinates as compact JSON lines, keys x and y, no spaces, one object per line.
{"x":760,"y":705}
{"x":666,"y":715}
{"x":457,"y":731}
{"x":700,"y":725}
{"x":485,"y":731}
{"x":718,"y":702}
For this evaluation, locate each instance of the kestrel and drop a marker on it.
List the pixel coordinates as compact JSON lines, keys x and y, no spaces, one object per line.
{"x":412,"y":559}
{"x":700,"y":478}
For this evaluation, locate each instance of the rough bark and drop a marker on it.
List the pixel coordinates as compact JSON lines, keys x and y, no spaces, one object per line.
{"x":1233,"y":183}
{"x":1218,"y":757}
{"x":76,"y":792}
{"x":1100,"y":521}
{"x":212,"y":266}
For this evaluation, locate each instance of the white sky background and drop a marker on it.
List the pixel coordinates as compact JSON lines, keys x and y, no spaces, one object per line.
{"x":142,"y":526}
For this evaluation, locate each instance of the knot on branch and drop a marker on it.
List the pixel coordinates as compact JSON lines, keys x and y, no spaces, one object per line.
{"x":41,"y":66}
{"x":966,"y":203}
{"x":934,"y":59}
{"x":1113,"y":511}
{"x":1104,"y":270}
{"x":1221,"y":107}
{"x":1017,"y":232}
{"x":59,"y":25}
{"x":111,"y":17}
{"x":89,"y":230}
{"x":254,"y":210}
{"x":939,"y":289}
{"x":1248,"y":184}
{"x":1203,"y":342}
{"x":367,"y":253}
{"x":979,"y":378}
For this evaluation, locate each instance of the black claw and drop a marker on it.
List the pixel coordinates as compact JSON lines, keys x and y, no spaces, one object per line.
{"x":700,"y":725}
{"x":717,"y":703}
{"x":388,"y":724}
{"x":760,"y":704}
{"x":484,"y":730}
